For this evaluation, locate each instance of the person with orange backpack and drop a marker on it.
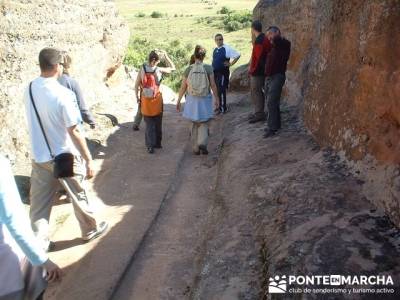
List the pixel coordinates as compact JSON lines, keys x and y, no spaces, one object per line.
{"x":147,"y":89}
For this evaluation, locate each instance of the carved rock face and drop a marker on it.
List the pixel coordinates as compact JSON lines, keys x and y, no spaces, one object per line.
{"x":91,"y":31}
{"x":345,"y":71}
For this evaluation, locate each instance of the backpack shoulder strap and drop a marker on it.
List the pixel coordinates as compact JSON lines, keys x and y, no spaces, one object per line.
{"x":149,"y":72}
{"x":162,"y":76}
{"x":143,"y":75}
{"x":39,"y":120}
{"x":208,"y":75}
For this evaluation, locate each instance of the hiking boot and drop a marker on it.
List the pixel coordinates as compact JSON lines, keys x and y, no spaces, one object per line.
{"x":96,"y":233}
{"x":269,"y":133}
{"x":256,"y":119}
{"x":203,"y":149}
{"x":135,"y":127}
{"x":150,"y":150}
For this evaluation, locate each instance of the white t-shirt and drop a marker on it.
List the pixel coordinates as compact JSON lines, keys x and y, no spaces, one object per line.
{"x":230,"y":52}
{"x":58,"y":110}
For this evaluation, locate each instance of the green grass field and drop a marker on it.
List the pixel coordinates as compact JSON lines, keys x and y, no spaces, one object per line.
{"x":189,"y":21}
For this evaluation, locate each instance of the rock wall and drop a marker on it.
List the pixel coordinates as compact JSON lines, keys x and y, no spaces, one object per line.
{"x":90,"y":30}
{"x":344,"y":73}
{"x":240,"y":80}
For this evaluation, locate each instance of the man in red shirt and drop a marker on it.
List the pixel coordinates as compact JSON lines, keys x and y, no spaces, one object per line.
{"x":275,"y":69}
{"x":261,"y":48}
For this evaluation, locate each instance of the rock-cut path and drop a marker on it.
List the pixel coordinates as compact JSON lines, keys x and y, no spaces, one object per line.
{"x":219,"y":226}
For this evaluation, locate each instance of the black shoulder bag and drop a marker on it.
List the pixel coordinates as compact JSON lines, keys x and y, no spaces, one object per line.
{"x":64,"y":162}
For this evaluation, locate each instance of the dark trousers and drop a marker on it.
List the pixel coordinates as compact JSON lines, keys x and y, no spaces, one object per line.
{"x":222,"y":82}
{"x":273,"y":91}
{"x":153,"y":133}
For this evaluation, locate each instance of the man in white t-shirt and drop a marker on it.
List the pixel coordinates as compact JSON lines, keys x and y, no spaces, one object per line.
{"x":224,"y":57}
{"x":61,"y":120}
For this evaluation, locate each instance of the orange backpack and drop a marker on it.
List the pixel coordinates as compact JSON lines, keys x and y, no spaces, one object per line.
{"x":151,"y":98}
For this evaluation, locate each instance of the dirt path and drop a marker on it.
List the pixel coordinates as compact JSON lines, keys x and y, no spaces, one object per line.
{"x":217,"y":227}
{"x":281,"y":206}
{"x":133,"y":185}
{"x":165,"y":265}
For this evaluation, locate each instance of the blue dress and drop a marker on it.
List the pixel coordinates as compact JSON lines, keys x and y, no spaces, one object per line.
{"x":198,"y":109}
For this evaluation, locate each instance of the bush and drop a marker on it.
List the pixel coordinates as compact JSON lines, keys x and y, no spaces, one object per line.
{"x":139,"y":49}
{"x":200,"y":20}
{"x":140,"y":15}
{"x":224,"y":10}
{"x":137,"y":52}
{"x":237,"y":20}
{"x":208,"y":20}
{"x":232,"y":26}
{"x":156,"y":14}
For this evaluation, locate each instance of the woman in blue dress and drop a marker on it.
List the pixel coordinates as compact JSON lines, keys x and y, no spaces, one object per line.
{"x":197,"y":84}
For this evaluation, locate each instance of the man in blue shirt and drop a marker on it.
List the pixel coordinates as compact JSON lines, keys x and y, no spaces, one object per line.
{"x":224,"y":57}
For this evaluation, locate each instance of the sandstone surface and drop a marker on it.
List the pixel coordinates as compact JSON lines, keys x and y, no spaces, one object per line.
{"x":91,"y":31}
{"x":345,"y":77}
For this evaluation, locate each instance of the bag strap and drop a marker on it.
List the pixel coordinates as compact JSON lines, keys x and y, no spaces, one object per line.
{"x":207,"y":75}
{"x":40,"y":121}
{"x":149,"y":72}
